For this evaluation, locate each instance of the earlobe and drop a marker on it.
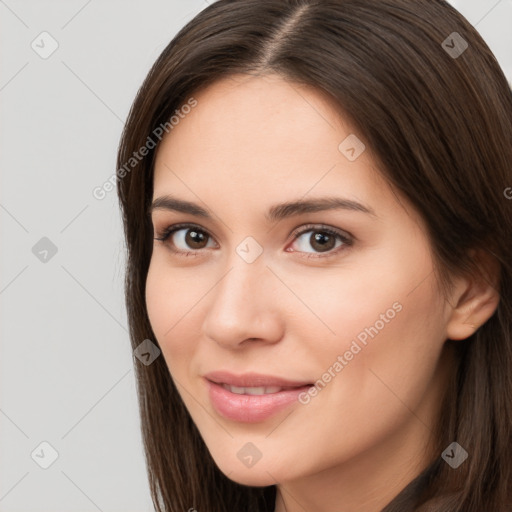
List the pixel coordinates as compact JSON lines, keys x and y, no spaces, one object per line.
{"x":474,"y":299}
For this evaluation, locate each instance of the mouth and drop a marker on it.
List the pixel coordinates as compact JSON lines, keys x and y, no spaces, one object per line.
{"x":254,"y":383}
{"x":252,"y":404}
{"x":256,"y":391}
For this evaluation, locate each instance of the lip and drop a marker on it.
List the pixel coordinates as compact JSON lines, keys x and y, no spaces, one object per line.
{"x":249,"y":380}
{"x":251,"y":408}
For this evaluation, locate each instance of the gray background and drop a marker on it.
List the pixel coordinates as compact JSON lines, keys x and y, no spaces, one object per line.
{"x":66,"y":367}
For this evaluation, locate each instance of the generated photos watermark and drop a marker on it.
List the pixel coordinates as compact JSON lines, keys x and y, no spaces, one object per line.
{"x":100,"y":192}
{"x":343,"y":360}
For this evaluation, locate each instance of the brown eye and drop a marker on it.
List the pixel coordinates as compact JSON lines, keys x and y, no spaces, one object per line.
{"x":195,"y":239}
{"x":185,"y":238}
{"x":321,"y":240}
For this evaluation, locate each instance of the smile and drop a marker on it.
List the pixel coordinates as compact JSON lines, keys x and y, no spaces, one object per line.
{"x":255,"y":390}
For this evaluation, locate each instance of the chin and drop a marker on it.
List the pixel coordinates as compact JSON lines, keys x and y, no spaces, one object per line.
{"x":251,"y":477}
{"x":261,"y":474}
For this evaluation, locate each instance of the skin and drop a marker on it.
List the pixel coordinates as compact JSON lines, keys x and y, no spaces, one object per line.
{"x":252,"y":142}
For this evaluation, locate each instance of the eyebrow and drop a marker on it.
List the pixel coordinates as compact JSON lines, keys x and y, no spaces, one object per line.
{"x":275,"y":213}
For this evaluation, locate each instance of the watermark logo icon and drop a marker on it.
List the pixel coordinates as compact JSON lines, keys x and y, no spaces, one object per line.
{"x":455,"y":45}
{"x":352,"y":147}
{"x":249,"y":454}
{"x":146,"y":352}
{"x":454,"y":455}
{"x":44,"y":250}
{"x":44,"y":45}
{"x":249,"y":250}
{"x":44,"y":455}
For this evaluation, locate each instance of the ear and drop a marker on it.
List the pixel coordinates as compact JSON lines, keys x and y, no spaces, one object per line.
{"x":475,"y":298}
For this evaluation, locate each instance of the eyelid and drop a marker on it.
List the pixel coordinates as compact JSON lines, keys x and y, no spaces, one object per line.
{"x":322,"y":227}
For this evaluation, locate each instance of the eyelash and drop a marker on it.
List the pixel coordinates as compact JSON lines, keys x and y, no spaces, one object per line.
{"x":345,"y":238}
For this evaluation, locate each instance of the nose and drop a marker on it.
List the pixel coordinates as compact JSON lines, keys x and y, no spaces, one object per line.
{"x":244,"y":305}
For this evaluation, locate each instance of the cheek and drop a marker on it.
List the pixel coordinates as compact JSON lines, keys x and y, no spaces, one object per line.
{"x":389,"y":361}
{"x":386,"y":320}
{"x":384,"y":293}
{"x":378,"y":382}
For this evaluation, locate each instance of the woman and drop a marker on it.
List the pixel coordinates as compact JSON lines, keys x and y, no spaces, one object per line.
{"x":314,"y":196}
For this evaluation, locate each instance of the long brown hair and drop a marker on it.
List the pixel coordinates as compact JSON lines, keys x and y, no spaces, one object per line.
{"x":437,"y":113}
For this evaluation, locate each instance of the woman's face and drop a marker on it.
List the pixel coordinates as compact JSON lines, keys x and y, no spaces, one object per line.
{"x":258,"y":287}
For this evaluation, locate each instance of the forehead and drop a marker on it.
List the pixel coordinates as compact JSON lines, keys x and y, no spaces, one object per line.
{"x":263,"y":139}
{"x":256,"y":109}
